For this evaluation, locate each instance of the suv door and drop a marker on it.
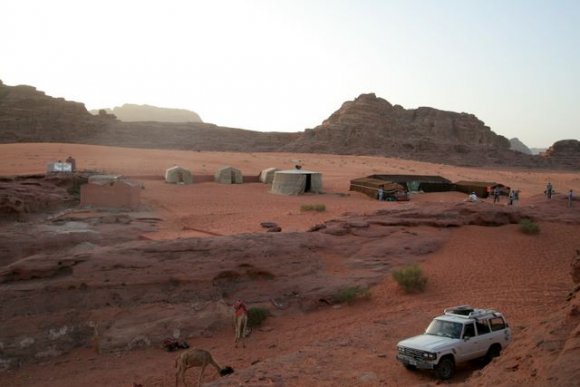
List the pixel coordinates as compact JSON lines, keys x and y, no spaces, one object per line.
{"x":487,"y":337}
{"x":470,"y":346}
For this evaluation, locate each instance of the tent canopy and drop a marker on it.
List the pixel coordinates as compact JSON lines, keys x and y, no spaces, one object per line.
{"x":229,"y":175}
{"x":296,"y":182}
{"x":267,"y":175}
{"x":178,"y":175}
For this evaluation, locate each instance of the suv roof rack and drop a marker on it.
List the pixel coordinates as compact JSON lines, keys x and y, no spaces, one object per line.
{"x":468,"y":311}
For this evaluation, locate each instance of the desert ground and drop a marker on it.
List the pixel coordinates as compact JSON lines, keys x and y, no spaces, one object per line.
{"x":526,"y":277}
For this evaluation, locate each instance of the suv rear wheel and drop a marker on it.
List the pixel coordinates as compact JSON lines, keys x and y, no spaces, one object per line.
{"x":445,"y":369}
{"x":493,"y":351}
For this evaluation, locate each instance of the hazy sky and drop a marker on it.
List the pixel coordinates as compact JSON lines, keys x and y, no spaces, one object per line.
{"x":286,"y":65}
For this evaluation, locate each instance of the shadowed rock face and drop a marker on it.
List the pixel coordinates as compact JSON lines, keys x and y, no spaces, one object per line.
{"x":371,"y":125}
{"x":565,"y":152}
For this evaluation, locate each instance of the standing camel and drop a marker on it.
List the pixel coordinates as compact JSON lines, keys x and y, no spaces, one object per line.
{"x":196,"y":358}
{"x":240,"y":321}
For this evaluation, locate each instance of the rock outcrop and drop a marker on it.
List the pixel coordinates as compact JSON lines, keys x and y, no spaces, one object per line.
{"x":372,"y":125}
{"x":518,"y":146}
{"x":133,"y":113}
{"x":565,"y":153}
{"x":29,"y":115}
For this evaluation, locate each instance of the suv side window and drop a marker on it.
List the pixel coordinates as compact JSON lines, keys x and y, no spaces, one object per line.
{"x":482,"y":327}
{"x":469,"y":331}
{"x":497,"y":324}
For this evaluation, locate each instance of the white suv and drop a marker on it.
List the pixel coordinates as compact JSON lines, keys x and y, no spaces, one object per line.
{"x":462,"y":333}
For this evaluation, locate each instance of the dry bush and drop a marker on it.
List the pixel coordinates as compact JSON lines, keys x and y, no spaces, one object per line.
{"x":411,"y":279}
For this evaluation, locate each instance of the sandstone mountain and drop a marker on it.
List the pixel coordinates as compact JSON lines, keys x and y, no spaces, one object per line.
{"x":367,"y":125}
{"x":518,"y":146}
{"x":565,"y":153}
{"x":371,"y":125}
{"x":134,"y":113}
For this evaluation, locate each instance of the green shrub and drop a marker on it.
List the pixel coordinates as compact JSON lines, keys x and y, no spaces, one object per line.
{"x":313,"y":207}
{"x":256,"y":316}
{"x":527,"y":226}
{"x":411,"y":279}
{"x":352,"y":294}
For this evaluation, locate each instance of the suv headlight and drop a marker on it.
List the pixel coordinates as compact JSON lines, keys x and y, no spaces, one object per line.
{"x":429,"y":355}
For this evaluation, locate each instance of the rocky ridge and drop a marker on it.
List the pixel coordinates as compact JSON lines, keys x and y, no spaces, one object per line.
{"x":367,"y":125}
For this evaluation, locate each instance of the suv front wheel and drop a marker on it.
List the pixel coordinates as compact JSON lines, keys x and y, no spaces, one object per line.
{"x":445,"y":369}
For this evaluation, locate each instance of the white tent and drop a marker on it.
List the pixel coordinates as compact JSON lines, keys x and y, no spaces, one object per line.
{"x":267,"y":175}
{"x":178,"y":175}
{"x":229,"y":175}
{"x":296,"y":182}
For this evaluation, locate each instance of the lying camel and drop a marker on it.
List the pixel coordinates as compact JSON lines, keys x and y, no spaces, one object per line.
{"x":240,"y":322}
{"x":197,"y":358}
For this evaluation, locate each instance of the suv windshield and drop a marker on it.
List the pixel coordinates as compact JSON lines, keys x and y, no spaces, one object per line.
{"x":444,"y":329}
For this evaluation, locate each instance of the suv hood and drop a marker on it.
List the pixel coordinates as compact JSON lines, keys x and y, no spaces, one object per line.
{"x":429,"y":343}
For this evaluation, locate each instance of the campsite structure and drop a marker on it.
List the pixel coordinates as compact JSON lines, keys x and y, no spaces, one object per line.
{"x":107,"y":191}
{"x":296,"y":182}
{"x":413,"y":183}
{"x":481,"y":188}
{"x":178,"y":175}
{"x":267,"y":175}
{"x":228,"y":175}
{"x":370,"y":187}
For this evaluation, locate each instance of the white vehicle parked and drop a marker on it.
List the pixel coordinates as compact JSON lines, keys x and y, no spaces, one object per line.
{"x":462,"y":333}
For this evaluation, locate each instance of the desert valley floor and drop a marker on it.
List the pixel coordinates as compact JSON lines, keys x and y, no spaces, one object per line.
{"x":482,"y":262}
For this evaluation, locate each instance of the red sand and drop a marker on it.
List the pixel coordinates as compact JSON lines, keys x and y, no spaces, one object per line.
{"x":526,"y":278}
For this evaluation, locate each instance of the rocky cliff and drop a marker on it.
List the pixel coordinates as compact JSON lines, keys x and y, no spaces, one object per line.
{"x":29,"y":115}
{"x":135,"y":113}
{"x":564,"y":153}
{"x":372,"y":125}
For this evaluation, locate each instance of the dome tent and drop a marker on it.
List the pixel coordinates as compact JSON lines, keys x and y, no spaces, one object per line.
{"x":296,"y":182}
{"x":178,"y":175}
{"x":229,"y":175}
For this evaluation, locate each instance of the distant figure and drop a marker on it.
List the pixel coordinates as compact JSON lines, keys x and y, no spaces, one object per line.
{"x":570,"y":198}
{"x":72,"y":162}
{"x":496,"y":194}
{"x":516,"y":197}
{"x":381,"y":193}
{"x":511,"y":197}
{"x":549,"y":190}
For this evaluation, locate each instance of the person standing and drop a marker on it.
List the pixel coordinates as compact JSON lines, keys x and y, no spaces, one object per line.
{"x":570,"y":197}
{"x":496,"y":193}
{"x":381,"y":193}
{"x":549,"y":190}
{"x":511,"y":197}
